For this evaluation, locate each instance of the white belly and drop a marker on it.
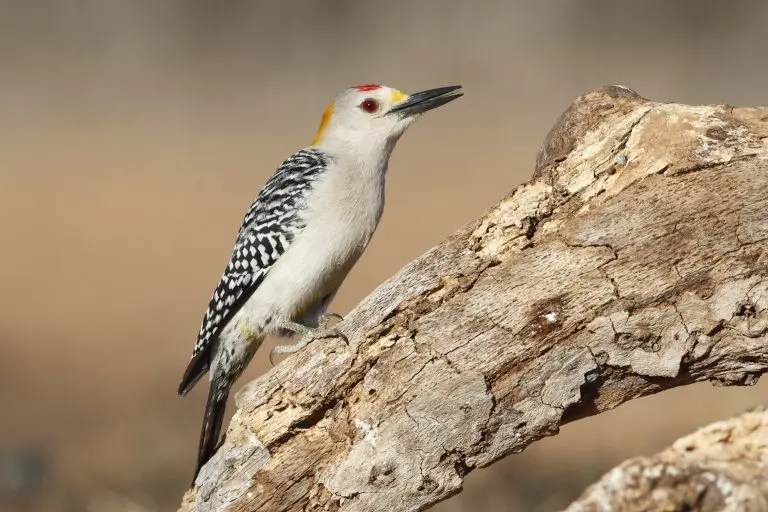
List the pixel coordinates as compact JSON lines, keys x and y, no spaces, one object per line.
{"x":341,"y":219}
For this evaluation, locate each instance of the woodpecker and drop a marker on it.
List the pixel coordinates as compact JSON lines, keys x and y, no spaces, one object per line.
{"x":300,"y":237}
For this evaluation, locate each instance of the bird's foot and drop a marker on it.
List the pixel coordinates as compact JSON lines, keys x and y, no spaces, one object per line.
{"x":308,"y":335}
{"x":325,"y":318}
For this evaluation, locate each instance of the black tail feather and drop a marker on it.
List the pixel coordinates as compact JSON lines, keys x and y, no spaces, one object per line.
{"x":214,"y":418}
{"x":197,"y":367}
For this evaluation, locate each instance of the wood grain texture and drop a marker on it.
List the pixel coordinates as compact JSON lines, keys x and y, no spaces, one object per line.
{"x":718,"y":468}
{"x":634,"y":261}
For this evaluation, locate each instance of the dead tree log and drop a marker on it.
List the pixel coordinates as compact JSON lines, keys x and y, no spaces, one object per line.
{"x":721,"y":467}
{"x":634,"y":261}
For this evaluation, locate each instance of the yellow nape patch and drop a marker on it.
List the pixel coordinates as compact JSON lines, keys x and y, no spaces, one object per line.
{"x":398,"y":96}
{"x":323,"y":124}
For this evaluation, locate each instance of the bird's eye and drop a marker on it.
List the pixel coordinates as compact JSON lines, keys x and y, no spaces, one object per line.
{"x":370,"y":105}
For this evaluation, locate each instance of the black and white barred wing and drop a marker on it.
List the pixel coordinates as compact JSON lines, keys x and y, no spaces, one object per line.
{"x":271,"y":223}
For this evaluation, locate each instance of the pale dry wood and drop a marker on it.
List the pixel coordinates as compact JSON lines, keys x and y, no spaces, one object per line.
{"x":633,"y":262}
{"x":719,"y":468}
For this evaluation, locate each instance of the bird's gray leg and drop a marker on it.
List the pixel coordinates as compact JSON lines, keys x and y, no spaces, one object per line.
{"x":308,"y":334}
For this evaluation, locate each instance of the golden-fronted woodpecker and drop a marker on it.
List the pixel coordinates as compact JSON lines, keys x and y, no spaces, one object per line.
{"x":300,"y":238}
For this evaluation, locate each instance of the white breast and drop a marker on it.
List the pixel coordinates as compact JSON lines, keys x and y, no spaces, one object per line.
{"x":343,"y":212}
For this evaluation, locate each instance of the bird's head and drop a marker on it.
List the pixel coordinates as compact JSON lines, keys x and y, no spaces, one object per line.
{"x":368,"y":115}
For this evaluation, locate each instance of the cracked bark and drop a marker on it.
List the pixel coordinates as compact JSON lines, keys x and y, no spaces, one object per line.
{"x":632,"y":262}
{"x":720,"y":467}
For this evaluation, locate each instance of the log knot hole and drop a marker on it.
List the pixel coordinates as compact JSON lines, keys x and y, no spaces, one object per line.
{"x":382,"y":473}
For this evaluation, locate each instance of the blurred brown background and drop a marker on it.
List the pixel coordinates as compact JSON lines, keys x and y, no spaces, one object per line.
{"x":135,"y":133}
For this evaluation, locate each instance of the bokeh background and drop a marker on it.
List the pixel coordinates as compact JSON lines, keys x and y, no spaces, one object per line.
{"x":135,"y":133}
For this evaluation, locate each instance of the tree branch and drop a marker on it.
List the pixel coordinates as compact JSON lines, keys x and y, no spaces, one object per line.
{"x":719,"y":467}
{"x":633,"y":262}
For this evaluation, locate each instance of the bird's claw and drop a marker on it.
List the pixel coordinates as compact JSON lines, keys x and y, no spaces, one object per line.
{"x":335,"y":331}
{"x":321,"y":331}
{"x":325,"y":317}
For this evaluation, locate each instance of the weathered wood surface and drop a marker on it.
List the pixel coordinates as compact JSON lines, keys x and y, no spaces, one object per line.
{"x":719,"y":468}
{"x":634,"y":261}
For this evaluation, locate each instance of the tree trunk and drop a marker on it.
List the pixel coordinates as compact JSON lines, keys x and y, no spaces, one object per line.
{"x":634,"y":261}
{"x":721,"y":467}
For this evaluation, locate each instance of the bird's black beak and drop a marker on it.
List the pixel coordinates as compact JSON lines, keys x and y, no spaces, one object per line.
{"x":420,"y":102}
